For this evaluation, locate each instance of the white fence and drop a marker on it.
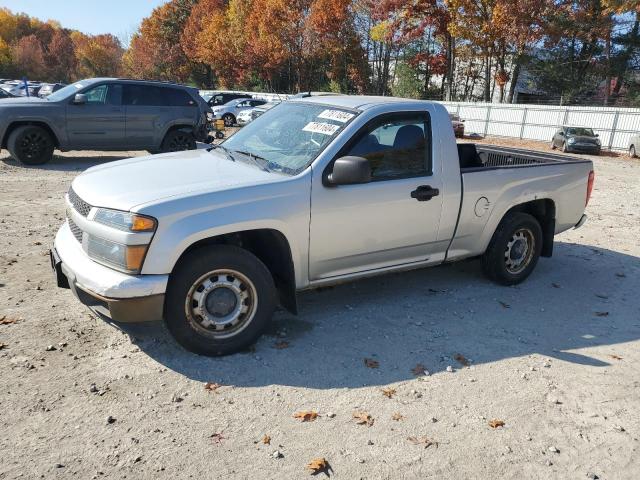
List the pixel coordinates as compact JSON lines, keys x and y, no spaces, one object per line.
{"x":539,"y":122}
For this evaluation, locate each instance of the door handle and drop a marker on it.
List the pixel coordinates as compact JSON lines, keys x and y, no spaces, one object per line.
{"x":424,"y":193}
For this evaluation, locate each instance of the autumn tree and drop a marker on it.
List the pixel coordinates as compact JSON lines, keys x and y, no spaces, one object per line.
{"x":29,"y":55}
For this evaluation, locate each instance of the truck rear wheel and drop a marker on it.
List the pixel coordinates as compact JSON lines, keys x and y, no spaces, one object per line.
{"x":514,"y":249}
{"x":31,"y":145}
{"x":219,"y":300}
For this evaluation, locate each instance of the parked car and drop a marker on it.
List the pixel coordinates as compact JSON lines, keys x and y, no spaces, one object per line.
{"x":247,"y":116}
{"x":18,"y":89}
{"x":222,"y":98}
{"x":634,"y":146}
{"x":458,"y":125}
{"x":49,"y":88}
{"x":4,"y":94}
{"x":229,"y":111}
{"x":576,"y":139}
{"x":104,"y":114}
{"x":311,"y":193}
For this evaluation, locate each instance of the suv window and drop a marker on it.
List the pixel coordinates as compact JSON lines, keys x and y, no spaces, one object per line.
{"x":179,"y":98}
{"x":396,"y":146}
{"x":255,"y":103}
{"x":108,"y":94}
{"x":145,"y":96}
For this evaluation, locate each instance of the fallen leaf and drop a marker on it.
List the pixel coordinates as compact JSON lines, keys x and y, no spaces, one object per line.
{"x":461,"y":359}
{"x":217,"y":438}
{"x":266,"y":440}
{"x":363,"y":418}
{"x":281,"y":345}
{"x":602,"y":314}
{"x":422,"y":441}
{"x":495,"y":423}
{"x":616,"y":357}
{"x":397,"y":417}
{"x":419,"y":370}
{"x":213,"y":387}
{"x":319,"y":465}
{"x":371,"y":363}
{"x":306,"y":415}
{"x":3,"y":346}
{"x":555,"y":285}
{"x":7,"y":320}
{"x":504,"y":304}
{"x":388,"y":392}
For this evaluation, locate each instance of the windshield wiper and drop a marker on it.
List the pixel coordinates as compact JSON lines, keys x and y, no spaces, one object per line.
{"x":257,"y":159}
{"x":226,"y":151}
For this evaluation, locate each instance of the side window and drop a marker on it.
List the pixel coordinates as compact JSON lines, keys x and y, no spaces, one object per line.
{"x":97,"y":95}
{"x":179,"y":98}
{"x":246,"y":103}
{"x":396,"y":146}
{"x":145,"y":96}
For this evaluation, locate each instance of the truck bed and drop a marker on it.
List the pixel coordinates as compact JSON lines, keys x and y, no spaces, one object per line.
{"x":482,"y":157}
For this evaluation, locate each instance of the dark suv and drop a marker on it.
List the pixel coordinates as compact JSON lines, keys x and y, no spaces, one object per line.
{"x":104,"y":114}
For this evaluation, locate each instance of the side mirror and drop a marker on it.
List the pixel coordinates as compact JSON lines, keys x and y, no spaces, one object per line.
{"x":80,"y":99}
{"x":597,"y":135}
{"x":561,"y":134}
{"x":350,"y":170}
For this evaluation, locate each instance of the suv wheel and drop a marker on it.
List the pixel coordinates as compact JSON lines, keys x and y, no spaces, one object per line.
{"x":219,"y":300}
{"x":31,"y":145}
{"x":514,"y":249}
{"x":229,"y":120}
{"x":178,"y":140}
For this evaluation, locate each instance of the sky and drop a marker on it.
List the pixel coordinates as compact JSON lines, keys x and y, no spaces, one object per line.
{"x":118,"y":17}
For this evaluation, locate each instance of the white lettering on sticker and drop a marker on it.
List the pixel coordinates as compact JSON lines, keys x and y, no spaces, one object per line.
{"x":323,"y":128}
{"x":337,"y":115}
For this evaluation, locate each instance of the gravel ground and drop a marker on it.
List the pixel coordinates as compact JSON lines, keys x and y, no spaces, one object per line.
{"x":555,"y":359}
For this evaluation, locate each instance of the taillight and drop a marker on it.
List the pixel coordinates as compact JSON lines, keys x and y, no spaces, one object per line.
{"x":592,"y":177}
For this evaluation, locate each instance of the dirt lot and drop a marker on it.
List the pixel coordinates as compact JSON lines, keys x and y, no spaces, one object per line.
{"x":556,"y":359}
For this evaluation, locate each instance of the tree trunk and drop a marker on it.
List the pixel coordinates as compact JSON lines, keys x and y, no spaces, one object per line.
{"x":487,"y":78}
{"x":515,"y":74}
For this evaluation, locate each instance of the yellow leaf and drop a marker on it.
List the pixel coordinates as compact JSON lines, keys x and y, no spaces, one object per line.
{"x":306,"y":415}
{"x":363,"y":418}
{"x":397,"y":417}
{"x":319,"y":465}
{"x":388,"y":392}
{"x":266,"y":440}
{"x":495,"y":423}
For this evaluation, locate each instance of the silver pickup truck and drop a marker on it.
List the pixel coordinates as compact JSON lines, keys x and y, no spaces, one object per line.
{"x":314,"y":192}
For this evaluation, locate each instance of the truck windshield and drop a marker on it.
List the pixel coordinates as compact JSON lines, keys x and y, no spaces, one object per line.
{"x":66,"y":92}
{"x":289,"y":136}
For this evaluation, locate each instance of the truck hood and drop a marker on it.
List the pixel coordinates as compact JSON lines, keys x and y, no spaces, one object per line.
{"x":17,"y":101}
{"x":125,"y":184}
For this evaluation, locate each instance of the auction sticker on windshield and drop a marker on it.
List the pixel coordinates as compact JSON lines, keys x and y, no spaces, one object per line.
{"x":337,"y":115}
{"x":323,"y":128}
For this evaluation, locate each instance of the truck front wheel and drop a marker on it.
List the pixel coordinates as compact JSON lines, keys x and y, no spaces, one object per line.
{"x":219,"y":300}
{"x":31,"y":145}
{"x":514,"y":249}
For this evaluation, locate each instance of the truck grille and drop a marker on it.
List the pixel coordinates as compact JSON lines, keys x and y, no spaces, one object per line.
{"x":75,"y":230}
{"x":80,"y":206}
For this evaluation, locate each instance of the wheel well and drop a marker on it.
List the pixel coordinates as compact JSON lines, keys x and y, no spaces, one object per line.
{"x":544,"y":211}
{"x":15,"y":125}
{"x":272,"y":248}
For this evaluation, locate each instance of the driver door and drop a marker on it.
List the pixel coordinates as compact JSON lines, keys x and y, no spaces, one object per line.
{"x":100,"y":122}
{"x":383,"y":223}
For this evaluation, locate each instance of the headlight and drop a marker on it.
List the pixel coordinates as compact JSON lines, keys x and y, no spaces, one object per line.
{"x":126,"y":258}
{"x":571,"y":140}
{"x":128,"y":222}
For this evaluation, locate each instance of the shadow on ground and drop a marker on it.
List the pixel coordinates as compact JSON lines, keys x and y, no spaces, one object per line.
{"x":65,"y":163}
{"x":582,"y":297}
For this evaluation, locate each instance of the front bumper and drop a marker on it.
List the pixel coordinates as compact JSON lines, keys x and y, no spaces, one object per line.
{"x":578,"y":148}
{"x":116,"y":295}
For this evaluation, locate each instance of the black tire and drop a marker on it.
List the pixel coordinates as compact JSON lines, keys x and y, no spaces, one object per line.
{"x":565,"y":148}
{"x":201,"y":266}
{"x":498,"y":260}
{"x":632,"y":151}
{"x":178,"y":140}
{"x":31,"y":145}
{"x":229,"y":120}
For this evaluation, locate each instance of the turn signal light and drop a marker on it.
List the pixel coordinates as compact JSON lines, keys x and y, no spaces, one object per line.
{"x":592,"y":177}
